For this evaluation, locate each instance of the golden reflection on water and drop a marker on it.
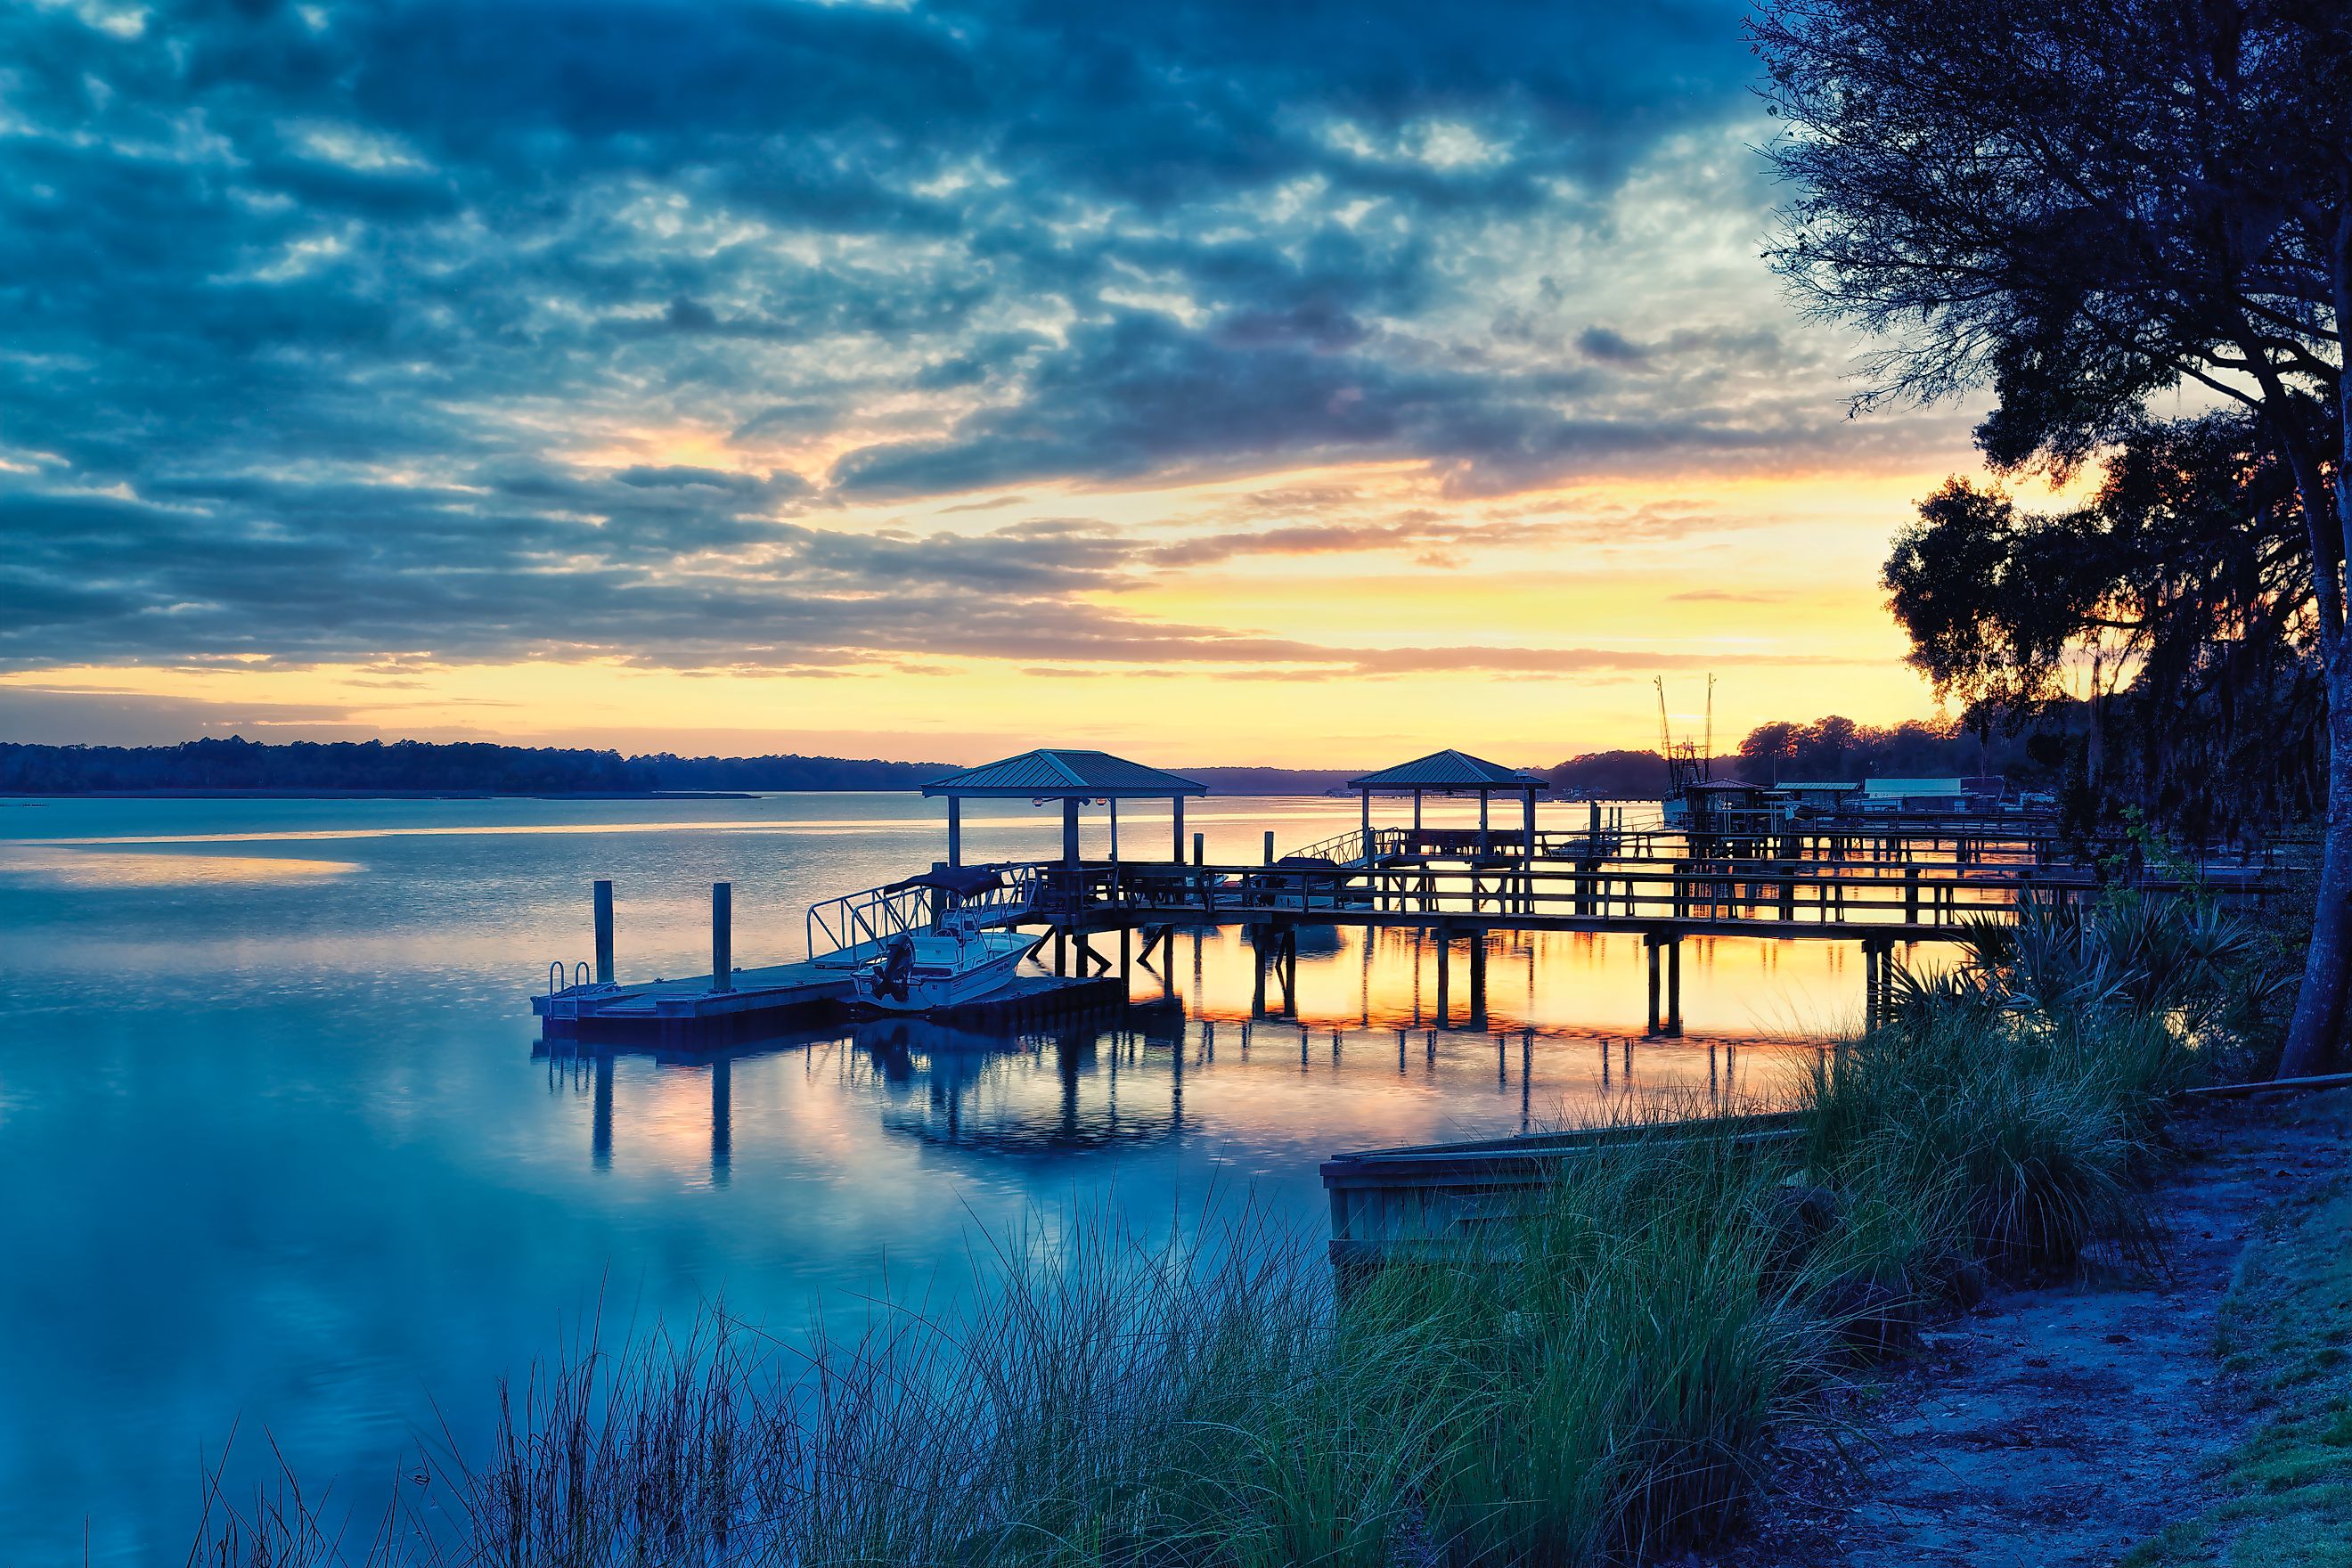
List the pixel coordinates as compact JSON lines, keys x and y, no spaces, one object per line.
{"x":124,"y":868}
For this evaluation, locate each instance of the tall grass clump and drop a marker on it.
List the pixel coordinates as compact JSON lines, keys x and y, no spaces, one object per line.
{"x":2023,"y":1095}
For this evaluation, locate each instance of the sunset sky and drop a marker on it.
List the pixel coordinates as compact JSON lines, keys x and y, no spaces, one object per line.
{"x":1228,"y":382}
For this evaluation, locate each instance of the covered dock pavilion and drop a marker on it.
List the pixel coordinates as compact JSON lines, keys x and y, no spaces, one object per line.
{"x":1072,"y":777}
{"x":1452,"y":773}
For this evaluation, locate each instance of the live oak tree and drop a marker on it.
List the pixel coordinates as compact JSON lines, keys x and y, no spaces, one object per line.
{"x":2171,"y":617}
{"x":2084,"y":204}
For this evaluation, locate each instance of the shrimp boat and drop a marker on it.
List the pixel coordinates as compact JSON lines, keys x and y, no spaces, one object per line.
{"x":957,"y":960}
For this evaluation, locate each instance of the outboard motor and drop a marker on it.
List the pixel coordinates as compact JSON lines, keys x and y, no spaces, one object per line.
{"x":898,"y":965}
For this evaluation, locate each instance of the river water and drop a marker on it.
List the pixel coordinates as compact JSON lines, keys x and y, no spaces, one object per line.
{"x":280,"y":1152}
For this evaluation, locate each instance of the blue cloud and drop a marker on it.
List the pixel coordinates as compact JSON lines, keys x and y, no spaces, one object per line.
{"x":309,"y":303}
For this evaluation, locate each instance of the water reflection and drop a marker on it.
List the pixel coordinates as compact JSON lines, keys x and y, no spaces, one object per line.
{"x":1092,"y":1088}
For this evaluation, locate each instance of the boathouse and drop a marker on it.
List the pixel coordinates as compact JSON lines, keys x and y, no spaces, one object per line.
{"x":1071,"y":778}
{"x":1452,"y":773}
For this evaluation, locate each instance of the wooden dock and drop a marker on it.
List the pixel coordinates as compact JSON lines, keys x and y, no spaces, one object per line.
{"x":1878,"y":885}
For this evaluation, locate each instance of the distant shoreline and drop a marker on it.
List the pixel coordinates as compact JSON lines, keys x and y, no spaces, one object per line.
{"x":410,"y":795}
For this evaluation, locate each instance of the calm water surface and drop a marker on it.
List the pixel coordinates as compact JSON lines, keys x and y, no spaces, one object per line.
{"x":278,"y":1146}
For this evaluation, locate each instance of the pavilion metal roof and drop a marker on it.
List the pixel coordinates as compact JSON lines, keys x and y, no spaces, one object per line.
{"x":1450,"y":770}
{"x":1056,"y":773}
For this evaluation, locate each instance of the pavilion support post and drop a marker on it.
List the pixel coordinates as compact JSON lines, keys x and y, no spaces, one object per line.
{"x":1114,"y":827}
{"x":1070,"y":833}
{"x":1416,"y":821}
{"x":723,"y":936}
{"x":955,"y":830}
{"x":1199,"y":849}
{"x":1527,"y":848}
{"x":1269,"y":846}
{"x":1176,"y":843}
{"x":1482,"y":796}
{"x":1367,"y":843}
{"x":603,"y":899}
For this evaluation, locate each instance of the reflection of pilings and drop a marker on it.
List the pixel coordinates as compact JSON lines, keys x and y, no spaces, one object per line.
{"x":723,"y":1120}
{"x":600,"y":1121}
{"x":1445,"y":977}
{"x":1478,"y":979}
{"x":1669,"y":1021}
{"x":1065,"y":1062}
{"x":1526,"y":1074}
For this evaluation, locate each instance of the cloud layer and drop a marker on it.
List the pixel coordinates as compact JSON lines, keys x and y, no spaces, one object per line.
{"x":473,"y":333}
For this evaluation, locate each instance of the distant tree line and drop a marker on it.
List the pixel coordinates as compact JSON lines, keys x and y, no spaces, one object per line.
{"x":422,"y":767}
{"x":1833,"y":750}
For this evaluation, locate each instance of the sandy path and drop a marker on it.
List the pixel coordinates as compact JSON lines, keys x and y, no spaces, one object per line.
{"x":2062,"y":1426}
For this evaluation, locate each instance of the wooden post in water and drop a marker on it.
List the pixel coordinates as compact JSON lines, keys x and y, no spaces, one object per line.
{"x":603,"y":899}
{"x":1650,"y":942}
{"x":1675,"y":986}
{"x":723,"y":936}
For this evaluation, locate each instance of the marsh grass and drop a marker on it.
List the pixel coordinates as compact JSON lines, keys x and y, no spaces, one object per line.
{"x":1602,"y":1379}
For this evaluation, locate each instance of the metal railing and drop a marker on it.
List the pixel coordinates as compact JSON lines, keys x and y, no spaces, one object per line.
{"x":853,"y":928}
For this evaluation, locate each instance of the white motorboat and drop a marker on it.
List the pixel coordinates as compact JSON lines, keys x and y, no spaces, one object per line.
{"x":957,"y":960}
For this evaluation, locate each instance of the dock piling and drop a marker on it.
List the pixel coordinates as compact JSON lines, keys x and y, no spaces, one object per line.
{"x":723,"y":936}
{"x":604,"y":933}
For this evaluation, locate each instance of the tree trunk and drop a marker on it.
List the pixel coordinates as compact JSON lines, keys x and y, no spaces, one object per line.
{"x":2318,"y":1023}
